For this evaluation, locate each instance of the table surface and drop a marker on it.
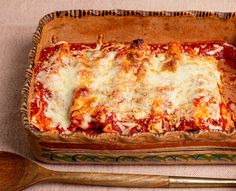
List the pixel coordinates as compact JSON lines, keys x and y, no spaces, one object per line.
{"x":18,"y":21}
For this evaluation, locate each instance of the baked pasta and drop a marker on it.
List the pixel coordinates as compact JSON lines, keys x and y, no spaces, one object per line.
{"x":129,"y":88}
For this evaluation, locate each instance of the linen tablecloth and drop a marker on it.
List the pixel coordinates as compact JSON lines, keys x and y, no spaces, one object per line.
{"x":18,"y":21}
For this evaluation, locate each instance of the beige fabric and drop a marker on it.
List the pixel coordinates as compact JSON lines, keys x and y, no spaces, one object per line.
{"x":18,"y":20}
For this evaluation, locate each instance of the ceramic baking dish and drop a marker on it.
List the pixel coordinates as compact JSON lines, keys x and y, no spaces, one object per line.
{"x":79,"y":26}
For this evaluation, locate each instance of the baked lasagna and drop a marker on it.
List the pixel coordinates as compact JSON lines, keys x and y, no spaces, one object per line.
{"x":129,"y":88}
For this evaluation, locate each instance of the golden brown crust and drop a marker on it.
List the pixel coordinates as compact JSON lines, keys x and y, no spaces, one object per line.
{"x":112,"y":138}
{"x":150,"y":29}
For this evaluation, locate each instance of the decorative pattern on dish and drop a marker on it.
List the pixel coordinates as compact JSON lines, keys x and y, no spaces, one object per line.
{"x":83,"y":158}
{"x":128,"y":88}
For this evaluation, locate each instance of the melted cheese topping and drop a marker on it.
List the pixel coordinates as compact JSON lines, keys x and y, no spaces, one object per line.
{"x":61,"y":79}
{"x":107,"y":87}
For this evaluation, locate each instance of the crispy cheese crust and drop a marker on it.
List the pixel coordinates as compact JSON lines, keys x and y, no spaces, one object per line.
{"x":128,"y":88}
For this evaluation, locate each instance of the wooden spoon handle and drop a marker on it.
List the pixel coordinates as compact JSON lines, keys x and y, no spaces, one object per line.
{"x":137,"y":180}
{"x":110,"y":179}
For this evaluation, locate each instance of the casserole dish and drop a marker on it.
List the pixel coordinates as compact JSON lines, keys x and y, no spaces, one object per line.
{"x":176,"y":147}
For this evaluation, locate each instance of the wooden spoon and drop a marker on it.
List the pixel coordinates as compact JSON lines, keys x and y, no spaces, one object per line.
{"x":18,"y":173}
